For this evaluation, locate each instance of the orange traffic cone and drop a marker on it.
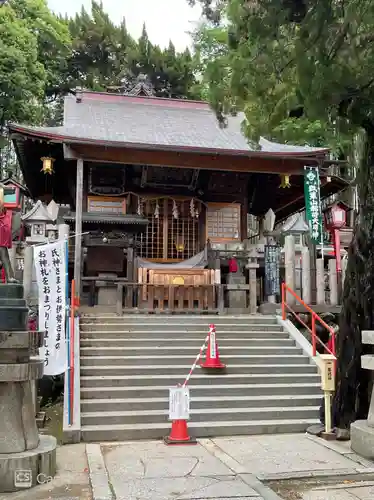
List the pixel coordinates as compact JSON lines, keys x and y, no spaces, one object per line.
{"x":212,"y":356}
{"x":179,"y":433}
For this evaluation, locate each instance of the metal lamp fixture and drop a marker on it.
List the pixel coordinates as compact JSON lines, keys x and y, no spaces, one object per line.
{"x":285,"y":181}
{"x":47,"y":167}
{"x":179,"y":244}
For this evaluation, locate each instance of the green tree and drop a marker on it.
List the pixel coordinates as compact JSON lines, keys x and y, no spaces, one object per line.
{"x":34,"y":45}
{"x":303,"y":71}
{"x":100,"y":49}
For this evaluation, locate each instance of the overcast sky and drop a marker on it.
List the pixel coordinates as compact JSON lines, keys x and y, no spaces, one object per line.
{"x":165,"y":19}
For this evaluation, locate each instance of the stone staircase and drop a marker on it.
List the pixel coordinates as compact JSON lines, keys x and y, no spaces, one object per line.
{"x":128,"y":364}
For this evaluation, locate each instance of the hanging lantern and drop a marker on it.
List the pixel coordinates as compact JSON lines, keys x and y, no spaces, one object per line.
{"x":175,"y":210}
{"x":285,"y":181}
{"x":47,"y":167}
{"x":179,"y":243}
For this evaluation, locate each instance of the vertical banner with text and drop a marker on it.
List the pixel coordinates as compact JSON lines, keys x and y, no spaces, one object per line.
{"x":313,"y":204}
{"x":50,"y":267}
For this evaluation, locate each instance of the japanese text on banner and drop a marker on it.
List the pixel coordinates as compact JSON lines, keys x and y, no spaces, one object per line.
{"x":50,"y":266}
{"x":179,"y":403}
{"x":313,"y":203}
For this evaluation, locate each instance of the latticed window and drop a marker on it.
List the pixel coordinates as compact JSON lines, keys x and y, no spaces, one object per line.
{"x":173,"y":232}
{"x":223,"y":221}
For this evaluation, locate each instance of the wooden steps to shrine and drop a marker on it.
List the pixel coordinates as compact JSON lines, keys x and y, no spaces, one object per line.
{"x":129,"y":363}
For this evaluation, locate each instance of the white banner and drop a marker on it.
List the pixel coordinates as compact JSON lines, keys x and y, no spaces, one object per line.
{"x":50,"y":267}
{"x":179,"y":403}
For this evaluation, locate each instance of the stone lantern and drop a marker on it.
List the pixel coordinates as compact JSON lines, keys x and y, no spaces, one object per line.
{"x":37,"y":219}
{"x":296,"y":227}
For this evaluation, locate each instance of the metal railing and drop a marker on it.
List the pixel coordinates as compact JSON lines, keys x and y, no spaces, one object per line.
{"x":330,"y":348}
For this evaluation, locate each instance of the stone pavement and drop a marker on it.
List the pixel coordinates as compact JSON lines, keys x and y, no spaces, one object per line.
{"x":290,"y":467}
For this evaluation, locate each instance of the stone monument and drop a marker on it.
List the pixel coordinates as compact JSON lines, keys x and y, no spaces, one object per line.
{"x":25,"y":457}
{"x":362,"y":431}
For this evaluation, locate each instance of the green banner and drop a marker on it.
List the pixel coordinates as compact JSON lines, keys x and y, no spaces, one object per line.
{"x":313,"y":204}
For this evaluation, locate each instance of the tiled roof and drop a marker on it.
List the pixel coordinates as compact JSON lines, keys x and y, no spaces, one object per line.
{"x":154,"y":122}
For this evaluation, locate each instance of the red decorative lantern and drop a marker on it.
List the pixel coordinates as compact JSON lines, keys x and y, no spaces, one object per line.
{"x":335,"y":219}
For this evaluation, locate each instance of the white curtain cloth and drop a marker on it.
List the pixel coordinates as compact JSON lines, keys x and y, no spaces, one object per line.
{"x":198,"y":261}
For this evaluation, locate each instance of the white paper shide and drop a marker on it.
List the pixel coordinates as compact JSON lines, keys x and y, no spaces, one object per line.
{"x":50,"y":266}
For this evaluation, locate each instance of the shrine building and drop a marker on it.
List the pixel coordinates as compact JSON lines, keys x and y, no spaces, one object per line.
{"x":154,"y":185}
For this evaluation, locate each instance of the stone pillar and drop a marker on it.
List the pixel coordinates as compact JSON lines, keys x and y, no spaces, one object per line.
{"x":252,"y":270}
{"x":320,"y":282}
{"x":306,"y":276}
{"x":21,"y":448}
{"x":362,"y":431}
{"x":289,"y":266}
{"x":333,"y":283}
{"x":63,"y":231}
{"x":28,"y":271}
{"x":344,"y":270}
{"x":13,"y":256}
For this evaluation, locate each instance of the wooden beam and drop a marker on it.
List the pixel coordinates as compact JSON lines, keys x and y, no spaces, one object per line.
{"x":215,"y":162}
{"x":78,"y":227}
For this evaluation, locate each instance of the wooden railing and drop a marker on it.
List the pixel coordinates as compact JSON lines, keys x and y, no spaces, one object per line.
{"x":330,"y":347}
{"x":165,"y":298}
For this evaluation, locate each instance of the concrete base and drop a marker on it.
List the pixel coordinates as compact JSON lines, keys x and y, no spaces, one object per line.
{"x":107,"y":293}
{"x":328,"y":436}
{"x":362,"y":439}
{"x":315,"y":430}
{"x":268,"y":308}
{"x":19,"y":471}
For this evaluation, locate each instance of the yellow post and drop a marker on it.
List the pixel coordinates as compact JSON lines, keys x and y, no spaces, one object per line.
{"x":328,"y":387}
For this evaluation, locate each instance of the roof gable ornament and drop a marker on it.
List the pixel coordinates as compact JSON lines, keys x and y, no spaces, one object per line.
{"x":38,"y":213}
{"x":142,"y":88}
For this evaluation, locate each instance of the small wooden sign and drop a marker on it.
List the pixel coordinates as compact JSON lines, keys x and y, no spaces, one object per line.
{"x":272,"y":257}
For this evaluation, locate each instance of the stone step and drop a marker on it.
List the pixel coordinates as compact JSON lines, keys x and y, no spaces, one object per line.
{"x":93,"y":369}
{"x":180,"y":319}
{"x":103,"y":347}
{"x":178,"y":327}
{"x":90,"y":355}
{"x":124,"y":432}
{"x":196,"y":379}
{"x":287,"y":389}
{"x":199,"y":415}
{"x":184,"y":334}
{"x":207,"y":402}
{"x":180,"y":342}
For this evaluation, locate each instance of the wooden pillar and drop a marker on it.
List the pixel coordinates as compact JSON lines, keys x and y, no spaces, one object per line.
{"x":306,"y":276}
{"x":78,"y":228}
{"x":289,"y":265}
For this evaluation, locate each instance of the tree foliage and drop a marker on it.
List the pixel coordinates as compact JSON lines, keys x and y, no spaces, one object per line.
{"x":105,"y":55}
{"x":44,"y":56}
{"x":302,"y":72}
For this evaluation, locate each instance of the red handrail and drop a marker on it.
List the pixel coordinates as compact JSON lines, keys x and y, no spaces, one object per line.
{"x":286,"y":307}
